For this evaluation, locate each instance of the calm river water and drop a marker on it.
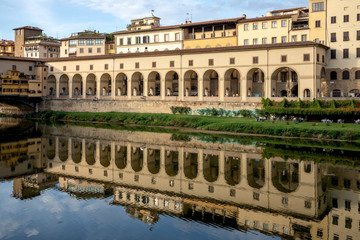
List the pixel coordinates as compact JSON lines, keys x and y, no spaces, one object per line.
{"x":104,"y":182}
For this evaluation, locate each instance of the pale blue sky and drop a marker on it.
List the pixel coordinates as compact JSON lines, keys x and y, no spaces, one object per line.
{"x":59,"y":18}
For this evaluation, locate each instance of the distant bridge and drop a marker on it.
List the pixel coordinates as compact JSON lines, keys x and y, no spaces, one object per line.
{"x":10,"y":105}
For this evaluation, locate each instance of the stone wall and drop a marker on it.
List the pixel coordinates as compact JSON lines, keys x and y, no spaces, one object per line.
{"x":139,"y":106}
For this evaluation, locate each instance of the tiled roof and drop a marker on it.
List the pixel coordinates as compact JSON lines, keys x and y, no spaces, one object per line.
{"x":83,"y":37}
{"x":29,"y":27}
{"x":190,"y":51}
{"x":19,"y":59}
{"x":44,"y":44}
{"x":267,"y":18}
{"x":288,"y":10}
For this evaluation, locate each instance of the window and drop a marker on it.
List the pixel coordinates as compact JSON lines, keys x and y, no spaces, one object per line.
{"x":146,"y":39}
{"x":358,"y":35}
{"x":294,"y":38}
{"x":154,"y":64}
{"x":121,"y":66}
{"x":333,"y":20}
{"x":347,"y":205}
{"x":318,"y":57}
{"x":317,"y":23}
{"x":255,"y":41}
{"x":246,"y":27}
{"x":346,"y":53}
{"x":99,"y":41}
{"x":191,"y":186}
{"x":51,"y":69}
{"x":283,"y":58}
{"x":246,"y":42}
{"x":191,"y":63}
{"x":348,"y":223}
{"x":255,"y":26}
{"x":98,"y":50}
{"x":336,"y":237}
{"x":30,"y":68}
{"x":211,"y":62}
{"x":304,"y":38}
{"x":333,"y":76}
{"x":65,"y":51}
{"x":14,"y":67}
{"x":335,"y":220}
{"x":77,"y":67}
{"x":129,"y":41}
{"x":358,"y":16}
{"x":232,"y":192}
{"x":138,"y":40}
{"x":89,"y":50}
{"x":273,"y":40}
{"x":72,"y":43}
{"x":81,"y":50}
{"x":137,"y":65}
{"x":136,"y":178}
{"x":171,"y":183}
{"x":172,"y":64}
{"x":283,"y":23}
{"x":317,"y":7}
{"x":333,"y":37}
{"x":232,"y":61}
{"x":90,"y":41}
{"x":333,"y":54}
{"x":255,"y":60}
{"x":284,"y":200}
{"x":177,"y":36}
{"x":320,"y":233}
{"x":106,"y":66}
{"x":91,"y":67}
{"x":264,"y":41}
{"x":156,"y":38}
{"x":346,"y":75}
{"x":121,"y":42}
{"x":283,"y":39}
{"x":306,"y":57}
{"x":346,"y":18}
{"x":323,"y":59}
{"x":358,"y":52}
{"x":211,"y":189}
{"x":264,"y":25}
{"x":274,"y":24}
{"x":346,"y":36}
{"x":64,"y":68}
{"x":166,"y":37}
{"x":256,"y":196}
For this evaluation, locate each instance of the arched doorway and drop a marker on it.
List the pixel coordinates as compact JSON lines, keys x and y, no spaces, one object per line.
{"x":105,"y":155}
{"x":63,"y":149}
{"x":137,"y":158}
{"x":336,"y":93}
{"x":190,"y":83}
{"x":211,"y":167}
{"x":64,"y":85}
{"x":172,"y":163}
{"x":232,"y":170}
{"x":153,"y":160}
{"x":76,"y":151}
{"x":255,"y":80}
{"x":77,"y":85}
{"x":137,"y":84}
{"x":256,"y":173}
{"x":307,"y":93}
{"x":232,"y":83}
{"x":51,"y":85}
{"x":211,"y":84}
{"x":285,"y":176}
{"x":154,"y":84}
{"x":91,"y":85}
{"x":354,"y":93}
{"x":105,"y":85}
{"x":190,"y":165}
{"x":121,"y":156}
{"x":172,"y":84}
{"x":283,"y":80}
{"x":121,"y":85}
{"x":50,"y":148}
{"x":90,"y":152}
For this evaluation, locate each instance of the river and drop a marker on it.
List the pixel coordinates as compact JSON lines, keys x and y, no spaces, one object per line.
{"x":77,"y":181}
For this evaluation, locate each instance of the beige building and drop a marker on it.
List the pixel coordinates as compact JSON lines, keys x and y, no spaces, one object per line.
{"x":7,"y":48}
{"x":85,"y":43}
{"x":22,"y":34}
{"x":146,"y":34}
{"x":41,"y":47}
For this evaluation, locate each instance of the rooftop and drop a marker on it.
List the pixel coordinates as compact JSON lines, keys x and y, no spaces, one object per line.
{"x":29,"y":28}
{"x":288,"y":10}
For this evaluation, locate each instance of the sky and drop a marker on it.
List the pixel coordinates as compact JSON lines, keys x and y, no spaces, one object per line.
{"x":60,"y":18}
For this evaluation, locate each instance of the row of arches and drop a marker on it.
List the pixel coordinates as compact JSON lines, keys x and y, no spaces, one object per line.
{"x":284,"y":83}
{"x":345,"y":75}
{"x":284,"y":175}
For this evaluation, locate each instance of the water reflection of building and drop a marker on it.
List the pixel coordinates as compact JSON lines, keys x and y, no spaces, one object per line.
{"x":230,"y":184}
{"x":21,"y":157}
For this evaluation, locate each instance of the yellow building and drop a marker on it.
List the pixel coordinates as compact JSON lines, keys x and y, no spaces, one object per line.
{"x":14,"y":84}
{"x":12,"y":153}
{"x":211,"y":34}
{"x":110,"y":48}
{"x":317,"y":20}
{"x":7,"y":48}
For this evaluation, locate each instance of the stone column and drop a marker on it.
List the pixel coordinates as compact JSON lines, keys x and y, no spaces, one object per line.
{"x":146,"y":87}
{"x":98,"y":90}
{"x":57,"y":87}
{"x":113,"y":89}
{"x":83,"y":155}
{"x":181,"y":88}
{"x":162,"y":89}
{"x":200,"y":89}
{"x":83,"y":80}
{"x":129,"y":86}
{"x":243,"y":88}
{"x":71,"y":86}
{"x":221,"y":88}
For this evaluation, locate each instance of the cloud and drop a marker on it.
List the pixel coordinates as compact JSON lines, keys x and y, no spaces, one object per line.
{"x":31,"y":232}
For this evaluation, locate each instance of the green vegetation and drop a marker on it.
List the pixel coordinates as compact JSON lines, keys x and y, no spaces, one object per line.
{"x":226,"y":124}
{"x":180,"y":110}
{"x":316,"y":109}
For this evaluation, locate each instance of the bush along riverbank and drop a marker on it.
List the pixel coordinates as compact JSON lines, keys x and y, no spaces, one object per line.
{"x":349,"y":110}
{"x":213,"y":123}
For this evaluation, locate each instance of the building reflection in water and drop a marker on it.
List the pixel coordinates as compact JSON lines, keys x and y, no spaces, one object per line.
{"x":150,"y":174}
